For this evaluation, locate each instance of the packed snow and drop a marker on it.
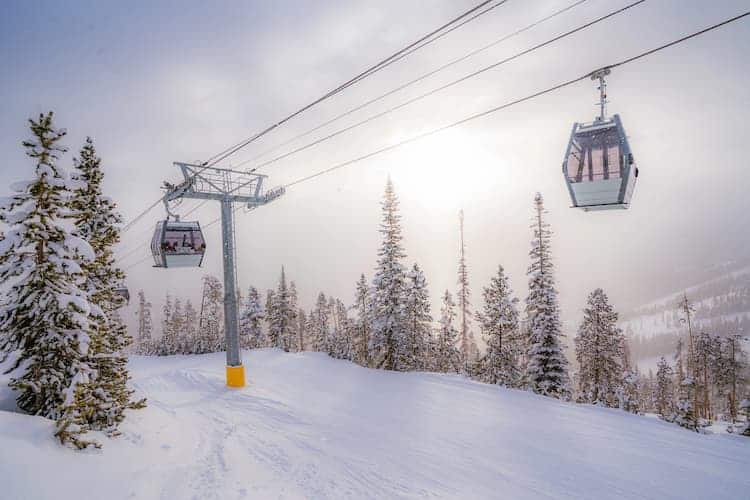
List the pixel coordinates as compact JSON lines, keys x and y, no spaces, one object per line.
{"x":308,"y":426}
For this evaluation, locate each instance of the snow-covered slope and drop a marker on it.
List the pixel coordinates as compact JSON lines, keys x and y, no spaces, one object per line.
{"x":308,"y":426}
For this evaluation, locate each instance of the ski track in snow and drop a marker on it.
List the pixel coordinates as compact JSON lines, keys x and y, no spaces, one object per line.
{"x":308,"y":426}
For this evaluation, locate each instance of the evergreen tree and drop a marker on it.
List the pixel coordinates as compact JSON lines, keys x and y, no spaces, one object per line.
{"x":362,"y":322}
{"x":388,"y":301}
{"x":418,"y":321}
{"x":97,"y":221}
{"x":282,"y":316}
{"x":189,"y":329}
{"x":273,"y":337}
{"x":211,"y":319}
{"x":294,"y":320}
{"x":301,"y":330}
{"x":707,"y":354}
{"x":319,"y":324}
{"x":251,"y":321}
{"x":338,"y":344}
{"x":177,"y":327}
{"x":684,"y":414}
{"x":447,"y":355}
{"x":45,"y":310}
{"x":629,"y":393}
{"x":145,"y":327}
{"x":547,"y":367}
{"x":599,"y":352}
{"x":467,"y":345}
{"x":499,"y":322}
{"x":731,"y":372}
{"x":664,"y":389}
{"x":168,"y":333}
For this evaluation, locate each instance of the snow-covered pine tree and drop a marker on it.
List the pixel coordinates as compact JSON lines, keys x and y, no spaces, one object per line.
{"x":45,"y":311}
{"x":301,"y":330}
{"x":168,"y":333}
{"x":97,"y":221}
{"x":388,"y":323}
{"x":731,"y":374}
{"x":599,"y":352}
{"x":282,"y":316}
{"x":339,"y":343}
{"x":630,"y":383}
{"x":499,"y":323}
{"x":707,"y":352}
{"x":362,"y":322}
{"x":447,"y":357}
{"x":189,"y":334}
{"x":273,"y":338}
{"x":145,"y":326}
{"x":467,"y":344}
{"x":293,"y":338}
{"x":251,"y":322}
{"x":687,"y":411}
{"x":418,"y":321}
{"x":547,"y":367}
{"x":319,"y":324}
{"x":664,"y":391}
{"x":684,"y":414}
{"x":211,"y":318}
{"x":177,"y":327}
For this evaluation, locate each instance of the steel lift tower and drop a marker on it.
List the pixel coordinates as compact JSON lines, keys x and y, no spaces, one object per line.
{"x":227,"y":187}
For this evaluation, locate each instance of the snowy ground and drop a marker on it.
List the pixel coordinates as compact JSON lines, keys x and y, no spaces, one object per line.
{"x":312,"y":427}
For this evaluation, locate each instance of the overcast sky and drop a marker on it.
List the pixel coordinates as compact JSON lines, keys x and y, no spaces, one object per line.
{"x":157,"y":82}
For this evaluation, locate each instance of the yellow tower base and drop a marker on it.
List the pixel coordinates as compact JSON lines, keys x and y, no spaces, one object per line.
{"x":236,"y":376}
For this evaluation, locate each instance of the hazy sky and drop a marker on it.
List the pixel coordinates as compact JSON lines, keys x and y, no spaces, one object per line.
{"x":157,"y":82}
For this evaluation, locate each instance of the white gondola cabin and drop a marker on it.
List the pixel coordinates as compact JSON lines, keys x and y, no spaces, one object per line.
{"x":178,"y":244}
{"x":599,"y":169}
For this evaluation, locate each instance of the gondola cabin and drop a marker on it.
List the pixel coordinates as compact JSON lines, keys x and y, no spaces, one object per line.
{"x":599,"y":168}
{"x":123,"y":293}
{"x":178,"y":244}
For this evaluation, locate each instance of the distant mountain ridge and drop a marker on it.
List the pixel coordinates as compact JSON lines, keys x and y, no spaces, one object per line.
{"x":721,"y":305}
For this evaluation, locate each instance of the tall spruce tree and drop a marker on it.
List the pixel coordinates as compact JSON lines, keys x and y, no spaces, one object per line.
{"x":599,"y":352}
{"x":413,"y":356}
{"x":97,"y":221}
{"x":467,"y":344}
{"x":547,"y":367}
{"x":388,"y":300}
{"x":499,"y":322}
{"x":45,"y":312}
